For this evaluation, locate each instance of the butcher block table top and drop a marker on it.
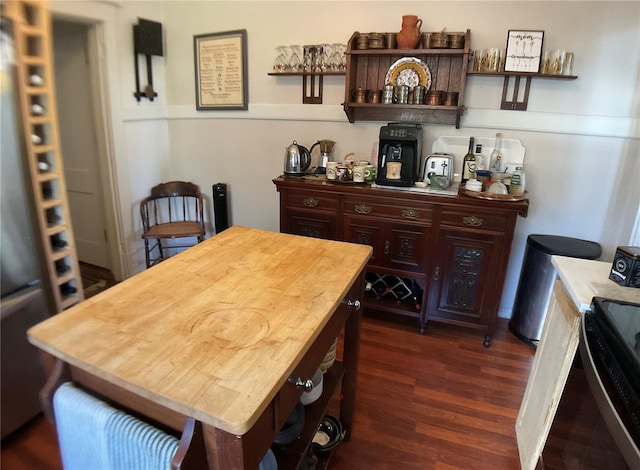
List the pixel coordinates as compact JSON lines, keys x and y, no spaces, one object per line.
{"x":214,"y":332}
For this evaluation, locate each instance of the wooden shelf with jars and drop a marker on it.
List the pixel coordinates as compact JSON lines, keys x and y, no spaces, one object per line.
{"x":367,"y":69}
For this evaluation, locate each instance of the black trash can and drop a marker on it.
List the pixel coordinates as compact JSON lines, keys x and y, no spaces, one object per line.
{"x":537,"y":278}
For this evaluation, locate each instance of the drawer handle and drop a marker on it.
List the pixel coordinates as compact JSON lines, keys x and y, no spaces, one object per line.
{"x":363,"y":209}
{"x":355,"y":304}
{"x":306,"y":385}
{"x":410,"y":214}
{"x":472,"y":221}
{"x":310,"y":202}
{"x":436,"y":273}
{"x":386,"y":247}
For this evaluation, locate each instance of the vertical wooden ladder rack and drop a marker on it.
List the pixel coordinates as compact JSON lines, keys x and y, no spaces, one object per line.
{"x":35,"y":94}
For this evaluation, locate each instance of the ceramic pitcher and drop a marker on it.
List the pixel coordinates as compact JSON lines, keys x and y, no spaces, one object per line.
{"x":409,"y":35}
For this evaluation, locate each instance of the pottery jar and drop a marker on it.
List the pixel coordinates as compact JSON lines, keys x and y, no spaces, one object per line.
{"x":409,"y":35}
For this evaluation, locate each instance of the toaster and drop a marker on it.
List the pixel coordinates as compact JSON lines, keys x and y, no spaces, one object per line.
{"x":437,"y":170}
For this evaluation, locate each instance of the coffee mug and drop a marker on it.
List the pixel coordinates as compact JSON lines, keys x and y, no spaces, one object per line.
{"x":369,"y":172}
{"x":393,"y":170}
{"x":331,"y":170}
{"x":358,"y":173}
{"x":342,"y":173}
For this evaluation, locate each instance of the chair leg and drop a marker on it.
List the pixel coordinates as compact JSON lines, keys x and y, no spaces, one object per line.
{"x":146,"y":253}
{"x":161,"y":257}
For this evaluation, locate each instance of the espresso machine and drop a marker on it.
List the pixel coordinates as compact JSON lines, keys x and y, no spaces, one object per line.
{"x":399,"y":154}
{"x":326,"y":147}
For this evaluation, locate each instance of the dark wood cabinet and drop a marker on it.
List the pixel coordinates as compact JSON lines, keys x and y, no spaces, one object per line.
{"x":453,"y":249}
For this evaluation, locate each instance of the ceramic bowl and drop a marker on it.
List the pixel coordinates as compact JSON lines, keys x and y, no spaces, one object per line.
{"x":498,"y":188}
{"x":329,"y":434}
{"x":292,"y":426}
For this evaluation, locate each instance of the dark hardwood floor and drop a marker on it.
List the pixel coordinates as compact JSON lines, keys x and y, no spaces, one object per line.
{"x":439,"y":401}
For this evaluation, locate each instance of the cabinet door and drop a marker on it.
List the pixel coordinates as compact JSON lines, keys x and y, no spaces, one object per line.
{"x":398,"y":246}
{"x":366,"y":231}
{"x":406,"y":246}
{"x":462,"y":272}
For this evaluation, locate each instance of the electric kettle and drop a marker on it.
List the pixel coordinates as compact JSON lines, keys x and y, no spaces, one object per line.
{"x":296,"y":160}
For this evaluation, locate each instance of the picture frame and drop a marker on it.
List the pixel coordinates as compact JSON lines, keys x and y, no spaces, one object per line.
{"x":524,"y":51}
{"x":221,"y":71}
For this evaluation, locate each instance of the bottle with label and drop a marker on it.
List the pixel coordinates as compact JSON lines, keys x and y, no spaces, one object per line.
{"x":468,"y":163}
{"x":495,"y":163}
{"x":517,"y":181}
{"x":480,"y":165}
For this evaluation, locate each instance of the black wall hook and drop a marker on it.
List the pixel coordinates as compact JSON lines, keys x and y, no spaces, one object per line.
{"x":147,"y":40}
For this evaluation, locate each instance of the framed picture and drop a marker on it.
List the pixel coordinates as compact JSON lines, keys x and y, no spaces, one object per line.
{"x":221,"y":70}
{"x":524,"y":49}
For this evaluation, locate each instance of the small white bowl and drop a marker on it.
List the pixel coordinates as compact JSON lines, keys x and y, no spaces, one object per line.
{"x":473,"y":185}
{"x":498,"y":188}
{"x":420,"y":184}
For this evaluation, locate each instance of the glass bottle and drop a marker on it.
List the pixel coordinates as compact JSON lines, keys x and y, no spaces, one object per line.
{"x":517,"y":181}
{"x":496,"y":156}
{"x":468,"y":163}
{"x":479,"y":158}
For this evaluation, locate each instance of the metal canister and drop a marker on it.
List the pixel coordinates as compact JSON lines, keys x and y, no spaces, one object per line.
{"x":387,"y":94}
{"x":418,"y":94}
{"x":401,"y":94}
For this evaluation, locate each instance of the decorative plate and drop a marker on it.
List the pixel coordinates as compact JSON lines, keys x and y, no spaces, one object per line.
{"x":409,"y":71}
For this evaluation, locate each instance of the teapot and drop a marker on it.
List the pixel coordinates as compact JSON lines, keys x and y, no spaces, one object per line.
{"x":296,"y":160}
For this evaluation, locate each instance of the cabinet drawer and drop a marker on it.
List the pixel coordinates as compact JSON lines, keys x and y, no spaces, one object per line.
{"x":474,"y":219}
{"x":388,"y":210}
{"x":311,"y":200}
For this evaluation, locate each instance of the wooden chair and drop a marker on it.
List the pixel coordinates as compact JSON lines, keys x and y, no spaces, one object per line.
{"x":173,"y":210}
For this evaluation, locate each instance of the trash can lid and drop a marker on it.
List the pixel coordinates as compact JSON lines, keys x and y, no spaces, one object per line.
{"x":565,"y":246}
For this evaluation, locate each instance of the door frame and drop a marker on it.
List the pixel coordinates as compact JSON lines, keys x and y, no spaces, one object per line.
{"x":101,"y":44}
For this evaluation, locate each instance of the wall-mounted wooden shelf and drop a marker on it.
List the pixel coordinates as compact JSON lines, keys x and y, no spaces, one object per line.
{"x":311,"y":91}
{"x":513,"y":104}
{"x":367,"y":69}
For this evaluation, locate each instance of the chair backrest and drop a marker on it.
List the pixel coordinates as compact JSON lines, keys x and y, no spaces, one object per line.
{"x":175,"y":201}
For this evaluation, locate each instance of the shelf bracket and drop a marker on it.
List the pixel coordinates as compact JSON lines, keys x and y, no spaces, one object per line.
{"x":514,"y":104}
{"x":309,"y":93}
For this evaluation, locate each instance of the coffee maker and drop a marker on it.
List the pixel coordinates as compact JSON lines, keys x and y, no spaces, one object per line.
{"x":399,"y":154}
{"x":326,"y":147}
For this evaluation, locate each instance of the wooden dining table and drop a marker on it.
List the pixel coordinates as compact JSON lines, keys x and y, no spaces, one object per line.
{"x":216,"y":343}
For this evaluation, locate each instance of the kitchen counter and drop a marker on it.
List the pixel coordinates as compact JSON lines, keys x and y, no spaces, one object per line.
{"x":215,"y":332}
{"x":585,"y":279}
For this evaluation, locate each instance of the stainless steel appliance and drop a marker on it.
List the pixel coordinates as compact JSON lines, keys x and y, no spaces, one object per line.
{"x":22,"y":302}
{"x":437,"y":170}
{"x":296,"y":160}
{"x":399,"y":153}
{"x":326,"y":147}
{"x":597,"y":423}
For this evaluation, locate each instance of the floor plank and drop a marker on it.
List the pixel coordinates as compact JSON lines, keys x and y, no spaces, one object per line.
{"x":440,"y":401}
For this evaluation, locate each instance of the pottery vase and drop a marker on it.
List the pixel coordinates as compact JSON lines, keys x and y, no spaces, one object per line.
{"x":409,"y":35}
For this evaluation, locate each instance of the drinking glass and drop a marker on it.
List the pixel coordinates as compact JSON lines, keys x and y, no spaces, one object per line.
{"x":280,"y":64}
{"x":335,"y":60}
{"x":295,"y":63}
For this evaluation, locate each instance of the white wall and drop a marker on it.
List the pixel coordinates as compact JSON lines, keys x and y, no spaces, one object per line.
{"x":581,"y":136}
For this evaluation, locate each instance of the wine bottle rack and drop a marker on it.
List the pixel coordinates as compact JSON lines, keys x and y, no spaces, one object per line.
{"x":37,"y":108}
{"x":388,"y":288}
